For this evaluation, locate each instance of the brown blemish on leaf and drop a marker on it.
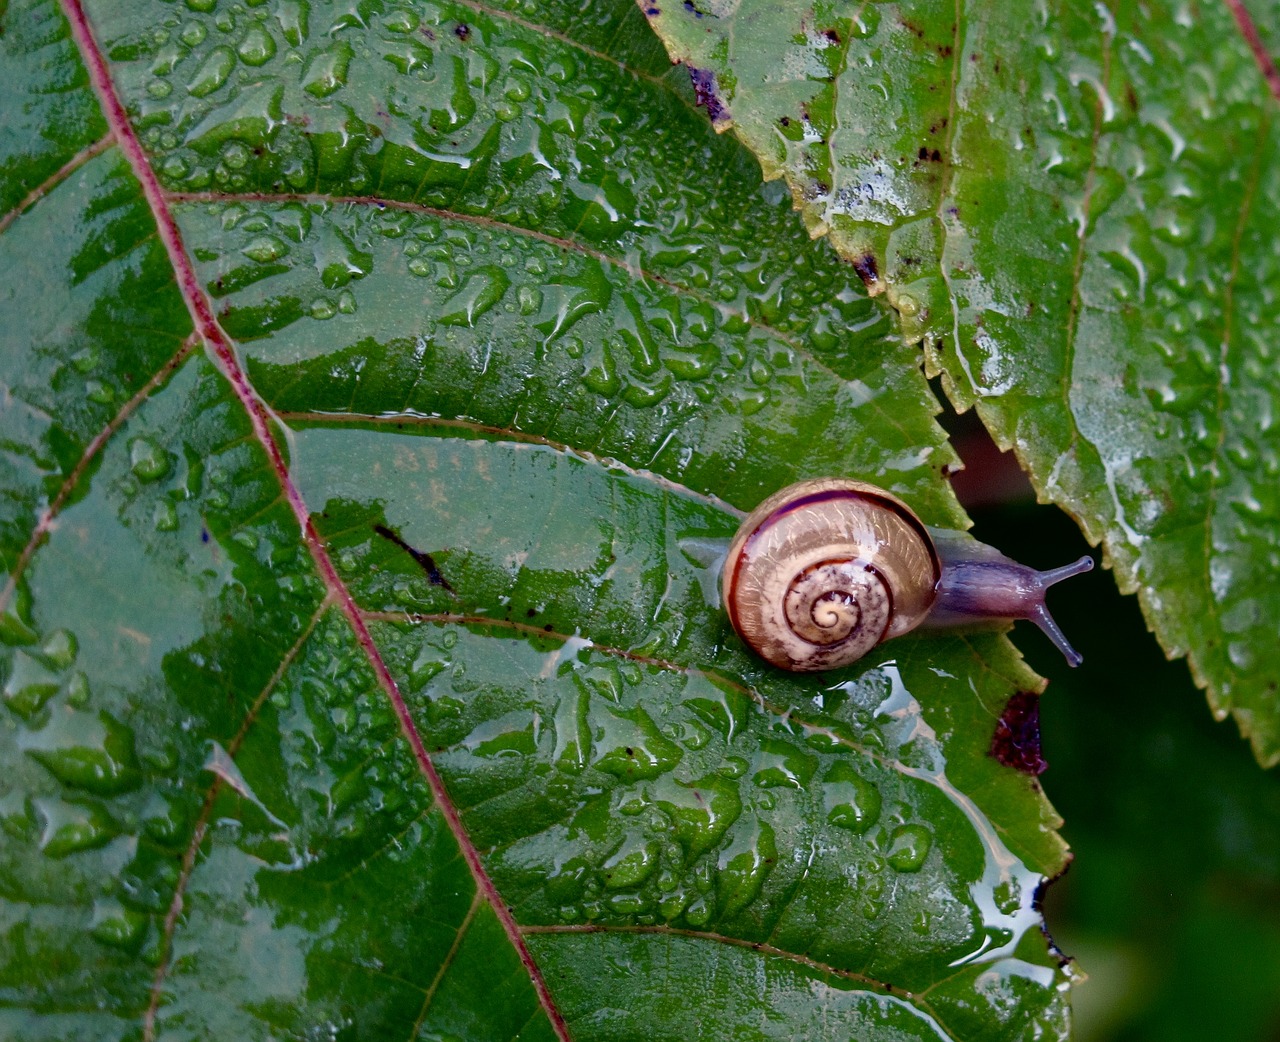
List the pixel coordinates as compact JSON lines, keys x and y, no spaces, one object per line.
{"x":1016,"y":742}
{"x":425,"y":561}
{"x":867,"y":268}
{"x":706,"y":92}
{"x":462,"y":31}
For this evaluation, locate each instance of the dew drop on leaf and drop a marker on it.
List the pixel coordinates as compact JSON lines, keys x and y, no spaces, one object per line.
{"x":148,"y":459}
{"x":213,"y":72}
{"x":909,"y":846}
{"x":257,"y":47}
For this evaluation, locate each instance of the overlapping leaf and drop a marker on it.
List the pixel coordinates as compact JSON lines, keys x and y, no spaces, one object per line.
{"x":1072,"y":207}
{"x":471,"y":753}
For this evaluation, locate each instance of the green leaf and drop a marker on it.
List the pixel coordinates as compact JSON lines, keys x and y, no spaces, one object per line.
{"x":1072,"y":209}
{"x":380,"y":394}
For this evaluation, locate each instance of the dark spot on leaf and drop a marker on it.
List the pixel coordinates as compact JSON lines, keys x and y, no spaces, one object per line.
{"x":1016,"y":742}
{"x":427,"y":32}
{"x":462,"y":31}
{"x":630,"y":751}
{"x":704,"y":89}
{"x":867,"y":268}
{"x":912,"y":28}
{"x":1131,"y":96}
{"x":945,"y":50}
{"x":652,"y":12}
{"x":689,"y":5}
{"x":204,"y":535}
{"x":831,"y":35}
{"x":425,"y":561}
{"x":547,"y":628}
{"x":785,"y":121}
{"x":530,"y":613}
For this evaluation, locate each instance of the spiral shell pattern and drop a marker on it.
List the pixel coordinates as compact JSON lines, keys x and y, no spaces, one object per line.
{"x":823,"y":571}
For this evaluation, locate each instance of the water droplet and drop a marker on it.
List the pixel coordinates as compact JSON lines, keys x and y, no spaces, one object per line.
{"x":87,"y":752}
{"x":164,"y":820}
{"x":701,"y":812}
{"x":73,"y":826}
{"x":86,"y":360}
{"x":15,"y":620}
{"x":852,"y":802}
{"x":338,"y":260}
{"x":29,"y":686}
{"x":78,"y":691}
{"x":698,"y":913}
{"x":744,"y":865}
{"x":98,"y":392}
{"x":117,"y":926}
{"x":566,"y":302}
{"x":509,"y":735}
{"x":322,"y":308}
{"x":672,"y":905}
{"x":629,"y":745}
{"x":327,"y":73}
{"x":257,"y":46}
{"x":780,"y":763}
{"x":599,"y":373}
{"x":294,"y":18}
{"x":165,"y":516}
{"x":631,"y":864}
{"x":235,"y":155}
{"x":148,"y":459}
{"x":479,"y":292}
{"x":909,"y":846}
{"x":193,"y":33}
{"x":565,"y":884}
{"x":59,"y":649}
{"x":213,"y":73}
{"x":401,"y":21}
{"x":265,"y":248}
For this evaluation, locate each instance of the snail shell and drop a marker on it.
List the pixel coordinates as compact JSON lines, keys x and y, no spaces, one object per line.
{"x":823,"y":571}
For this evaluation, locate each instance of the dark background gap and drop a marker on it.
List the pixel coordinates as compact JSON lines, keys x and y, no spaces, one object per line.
{"x":1172,"y":905}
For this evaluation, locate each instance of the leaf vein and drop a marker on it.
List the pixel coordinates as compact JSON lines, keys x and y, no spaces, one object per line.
{"x":198,"y":305}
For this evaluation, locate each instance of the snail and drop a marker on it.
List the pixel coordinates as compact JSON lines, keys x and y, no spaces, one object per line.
{"x":824,"y":570}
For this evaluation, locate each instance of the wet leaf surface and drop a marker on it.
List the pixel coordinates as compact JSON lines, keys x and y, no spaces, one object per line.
{"x":1071,"y":208}
{"x":380,"y":394}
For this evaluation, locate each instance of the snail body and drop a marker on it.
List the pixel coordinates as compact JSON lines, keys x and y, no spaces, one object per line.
{"x":824,"y":570}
